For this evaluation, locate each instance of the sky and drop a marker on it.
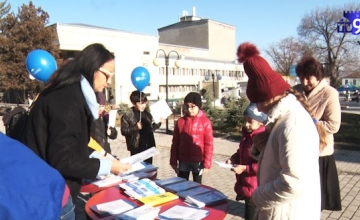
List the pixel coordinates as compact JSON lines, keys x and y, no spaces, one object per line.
{"x":262,"y":22}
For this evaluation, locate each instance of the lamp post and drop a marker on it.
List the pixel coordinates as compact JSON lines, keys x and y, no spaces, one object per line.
{"x":177,"y":64}
{"x":218,"y":77}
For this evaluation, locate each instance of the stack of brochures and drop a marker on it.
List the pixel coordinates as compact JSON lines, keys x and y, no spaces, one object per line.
{"x":193,"y":191}
{"x":181,"y":186}
{"x":141,"y":188}
{"x":158,"y":199}
{"x":183,"y":213}
{"x":144,"y":212}
{"x":169,"y":181}
{"x":205,"y":199}
{"x":113,"y":208}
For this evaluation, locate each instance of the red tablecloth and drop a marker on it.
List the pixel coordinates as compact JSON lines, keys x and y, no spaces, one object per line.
{"x":217,"y":211}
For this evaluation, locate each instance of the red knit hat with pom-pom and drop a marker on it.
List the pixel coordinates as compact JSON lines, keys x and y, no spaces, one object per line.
{"x":264,"y":83}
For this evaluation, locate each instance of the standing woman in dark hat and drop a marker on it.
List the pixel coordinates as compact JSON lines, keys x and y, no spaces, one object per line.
{"x":192,"y":145}
{"x":324,"y":102}
{"x":288,"y":151}
{"x":58,"y":127}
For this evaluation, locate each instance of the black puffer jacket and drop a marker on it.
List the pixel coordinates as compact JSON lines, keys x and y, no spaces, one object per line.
{"x":131,"y":132}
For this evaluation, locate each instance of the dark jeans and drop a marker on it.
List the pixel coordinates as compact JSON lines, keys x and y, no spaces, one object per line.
{"x":68,"y":211}
{"x":249,"y":210}
{"x":195,"y":168}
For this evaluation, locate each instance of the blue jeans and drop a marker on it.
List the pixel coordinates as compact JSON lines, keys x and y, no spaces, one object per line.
{"x":68,"y":211}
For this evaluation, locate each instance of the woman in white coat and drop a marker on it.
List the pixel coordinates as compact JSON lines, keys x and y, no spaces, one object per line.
{"x":287,"y":153}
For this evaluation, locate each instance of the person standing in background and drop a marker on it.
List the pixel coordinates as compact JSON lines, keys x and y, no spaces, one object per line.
{"x":192,"y":145}
{"x":324,"y":103}
{"x":138,"y":127}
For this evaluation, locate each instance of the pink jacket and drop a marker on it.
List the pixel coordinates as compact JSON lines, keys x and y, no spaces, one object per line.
{"x":246,"y":182}
{"x":193,"y":140}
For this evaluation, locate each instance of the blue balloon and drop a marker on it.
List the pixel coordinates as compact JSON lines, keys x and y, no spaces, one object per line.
{"x":140,"y":78}
{"x":40,"y":64}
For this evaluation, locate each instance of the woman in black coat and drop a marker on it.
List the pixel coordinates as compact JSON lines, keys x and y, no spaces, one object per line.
{"x":58,"y":128}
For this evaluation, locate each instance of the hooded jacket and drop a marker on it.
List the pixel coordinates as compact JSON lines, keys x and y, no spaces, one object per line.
{"x":193,"y":140}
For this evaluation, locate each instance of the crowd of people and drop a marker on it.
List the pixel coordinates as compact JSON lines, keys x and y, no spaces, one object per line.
{"x":284,"y":167}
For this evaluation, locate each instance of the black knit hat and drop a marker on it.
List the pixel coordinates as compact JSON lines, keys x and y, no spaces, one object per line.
{"x":193,"y":97}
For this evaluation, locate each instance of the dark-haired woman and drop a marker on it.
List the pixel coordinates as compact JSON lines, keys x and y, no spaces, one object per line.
{"x":58,"y":129}
{"x":324,"y":103}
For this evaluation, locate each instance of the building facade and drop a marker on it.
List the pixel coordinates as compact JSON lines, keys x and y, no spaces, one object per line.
{"x":208,"y":47}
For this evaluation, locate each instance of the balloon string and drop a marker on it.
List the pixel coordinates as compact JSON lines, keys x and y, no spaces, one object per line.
{"x":140,"y":104}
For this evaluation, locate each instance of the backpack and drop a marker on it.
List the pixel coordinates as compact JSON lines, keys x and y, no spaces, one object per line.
{"x":15,"y":122}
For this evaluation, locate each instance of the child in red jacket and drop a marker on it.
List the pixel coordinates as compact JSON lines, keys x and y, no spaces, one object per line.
{"x":192,"y":144}
{"x":245,"y":167}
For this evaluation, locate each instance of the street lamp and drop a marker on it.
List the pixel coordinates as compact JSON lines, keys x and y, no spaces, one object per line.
{"x":177,"y":64}
{"x":218,"y":77}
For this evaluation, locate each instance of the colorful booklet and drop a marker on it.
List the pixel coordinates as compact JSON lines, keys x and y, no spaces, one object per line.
{"x":181,"y":186}
{"x":193,"y":191}
{"x":205,"y":199}
{"x":169,"y":181}
{"x":144,"y":212}
{"x":141,"y":188}
{"x":114,"y":207}
{"x":158,"y":199}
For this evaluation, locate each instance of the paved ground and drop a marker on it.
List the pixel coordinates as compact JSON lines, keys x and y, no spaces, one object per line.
{"x":223,"y":180}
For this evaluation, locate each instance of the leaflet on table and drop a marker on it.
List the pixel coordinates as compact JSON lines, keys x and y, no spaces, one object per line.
{"x":114,"y":207}
{"x":160,"y":109}
{"x":183,"y":213}
{"x":169,"y":181}
{"x":193,"y":191}
{"x":109,"y":181}
{"x":143,"y":212}
{"x":224,"y":165}
{"x":205,"y":199}
{"x":141,"y":188}
{"x":159,"y":199}
{"x":181,"y":186}
{"x":136,"y":176}
{"x":140,"y":156}
{"x":140,"y":166}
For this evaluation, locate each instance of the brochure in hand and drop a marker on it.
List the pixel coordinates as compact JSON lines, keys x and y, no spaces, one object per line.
{"x":114,"y":207}
{"x":206,"y":199}
{"x":144,"y":212}
{"x":181,"y":186}
{"x":140,"y":166}
{"x":158,"y":199}
{"x":169,"y":181}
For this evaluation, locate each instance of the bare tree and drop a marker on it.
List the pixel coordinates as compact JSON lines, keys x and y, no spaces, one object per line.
{"x":285,"y":53}
{"x":4,"y":8}
{"x":22,"y":33}
{"x":318,"y":30}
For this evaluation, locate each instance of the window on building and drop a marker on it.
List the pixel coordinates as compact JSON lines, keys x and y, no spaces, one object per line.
{"x":354,"y":82}
{"x":346,"y":81}
{"x":146,"y":53}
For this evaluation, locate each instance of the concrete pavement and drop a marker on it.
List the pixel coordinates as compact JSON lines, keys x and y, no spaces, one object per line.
{"x":347,"y":163}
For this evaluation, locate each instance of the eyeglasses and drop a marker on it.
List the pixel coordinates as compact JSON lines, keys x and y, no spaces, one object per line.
{"x":107,"y":73}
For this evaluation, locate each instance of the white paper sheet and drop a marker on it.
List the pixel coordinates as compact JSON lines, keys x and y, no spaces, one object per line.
{"x":225,"y":165}
{"x":160,"y":109}
{"x":112,"y":118}
{"x":140,"y":156}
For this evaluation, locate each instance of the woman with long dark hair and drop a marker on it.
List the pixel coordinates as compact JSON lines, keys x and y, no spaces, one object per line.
{"x":58,"y":128}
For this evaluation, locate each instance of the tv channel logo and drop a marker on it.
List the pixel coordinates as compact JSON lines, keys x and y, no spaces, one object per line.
{"x":352,"y":23}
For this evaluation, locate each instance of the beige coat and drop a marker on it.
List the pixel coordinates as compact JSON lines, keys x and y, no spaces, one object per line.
{"x":288,"y":173}
{"x":325,"y":105}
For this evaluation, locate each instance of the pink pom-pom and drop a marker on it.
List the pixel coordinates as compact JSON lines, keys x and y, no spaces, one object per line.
{"x":246,"y":50}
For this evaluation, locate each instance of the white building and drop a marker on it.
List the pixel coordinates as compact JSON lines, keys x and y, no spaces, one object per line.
{"x":208,"y":47}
